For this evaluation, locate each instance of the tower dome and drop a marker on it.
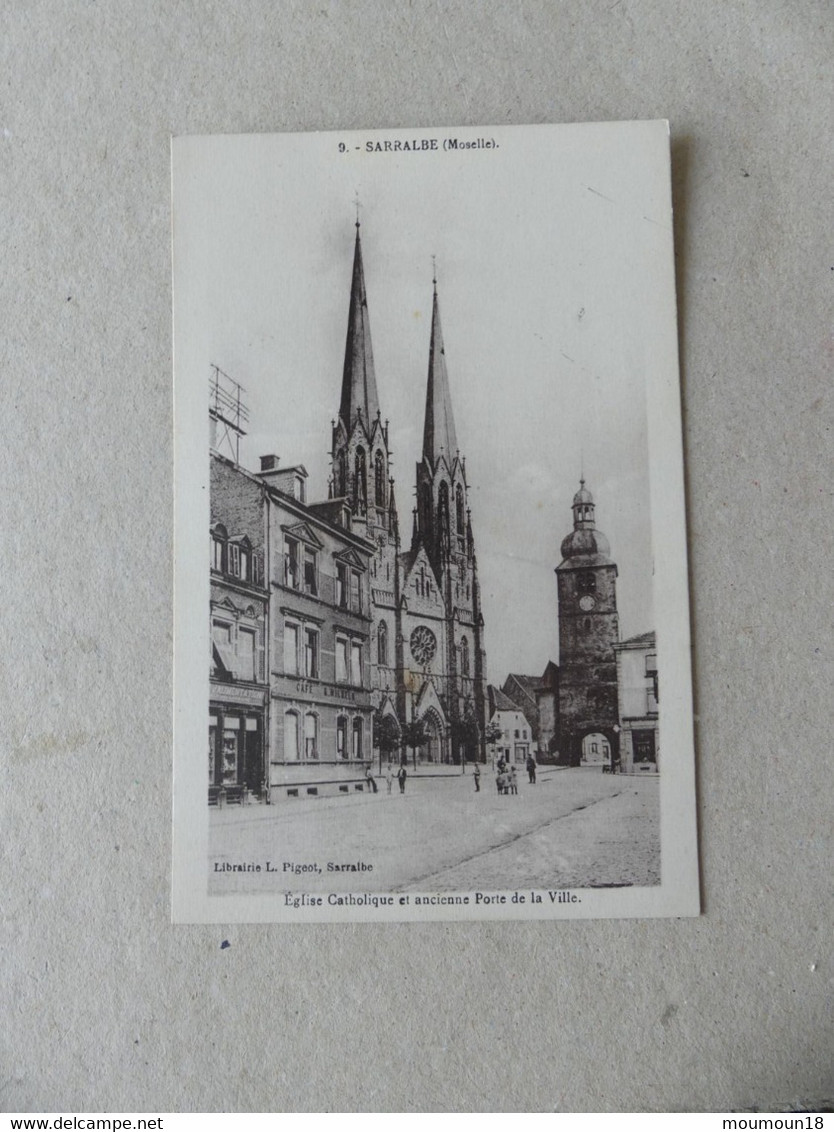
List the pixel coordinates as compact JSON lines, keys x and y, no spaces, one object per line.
{"x":585,"y":545}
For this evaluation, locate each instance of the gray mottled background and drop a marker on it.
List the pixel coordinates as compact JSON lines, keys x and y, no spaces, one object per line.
{"x":105,"y":1006}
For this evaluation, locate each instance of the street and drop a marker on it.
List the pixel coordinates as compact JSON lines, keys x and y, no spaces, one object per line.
{"x":575,"y":828}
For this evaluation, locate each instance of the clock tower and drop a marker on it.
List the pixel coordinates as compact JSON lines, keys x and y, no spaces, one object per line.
{"x":588,"y":632}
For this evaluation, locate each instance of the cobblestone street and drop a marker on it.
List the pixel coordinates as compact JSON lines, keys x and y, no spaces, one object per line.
{"x":575,"y":828}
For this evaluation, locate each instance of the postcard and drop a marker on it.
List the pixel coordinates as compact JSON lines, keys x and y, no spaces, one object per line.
{"x":432,"y":653}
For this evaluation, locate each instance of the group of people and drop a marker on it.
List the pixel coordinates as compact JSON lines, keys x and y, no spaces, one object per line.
{"x":401,"y":776}
{"x":507,"y":780}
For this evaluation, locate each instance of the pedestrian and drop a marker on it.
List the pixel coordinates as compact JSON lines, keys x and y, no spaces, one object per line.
{"x":370,"y":778}
{"x":389,"y":778}
{"x":477,"y":773}
{"x":402,"y":775}
{"x":531,"y":769}
{"x":513,"y":781}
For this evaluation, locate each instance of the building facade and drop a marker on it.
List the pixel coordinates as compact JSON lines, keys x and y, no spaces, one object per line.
{"x":298,"y":695}
{"x":238,"y":676}
{"x":638,"y":703}
{"x":515,"y":742}
{"x":588,"y":636}
{"x":427,"y":631}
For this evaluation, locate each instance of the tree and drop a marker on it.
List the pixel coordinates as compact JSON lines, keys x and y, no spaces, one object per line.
{"x":413,"y":735}
{"x":465,"y":734}
{"x":492,"y":733}
{"x":386,"y":733}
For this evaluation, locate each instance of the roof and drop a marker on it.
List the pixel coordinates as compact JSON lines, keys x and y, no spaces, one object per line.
{"x":528,"y":684}
{"x":498,"y":701}
{"x":439,"y":436}
{"x":358,"y":378}
{"x":649,"y":639}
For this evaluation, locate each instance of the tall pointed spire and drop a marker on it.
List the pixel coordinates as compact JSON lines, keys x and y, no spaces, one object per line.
{"x":358,"y":380}
{"x":439,"y":429}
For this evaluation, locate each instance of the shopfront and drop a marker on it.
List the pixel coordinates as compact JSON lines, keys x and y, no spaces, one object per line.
{"x":236,"y":742}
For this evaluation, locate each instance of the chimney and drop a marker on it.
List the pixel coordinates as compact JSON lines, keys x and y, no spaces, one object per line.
{"x":289,"y":481}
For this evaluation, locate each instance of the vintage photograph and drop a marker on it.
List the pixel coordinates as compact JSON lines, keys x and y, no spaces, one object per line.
{"x":436,"y":661}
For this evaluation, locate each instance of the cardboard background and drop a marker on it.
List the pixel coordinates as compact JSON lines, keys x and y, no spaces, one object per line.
{"x":106,"y":1006}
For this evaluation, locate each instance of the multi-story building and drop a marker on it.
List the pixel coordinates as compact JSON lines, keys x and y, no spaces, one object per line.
{"x":290,"y":632}
{"x":638,"y":703}
{"x":515,"y":742}
{"x":239,"y":683}
{"x":538,"y":698}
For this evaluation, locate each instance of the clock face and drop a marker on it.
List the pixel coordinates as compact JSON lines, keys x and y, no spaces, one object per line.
{"x":586,"y":603}
{"x":423,"y":645}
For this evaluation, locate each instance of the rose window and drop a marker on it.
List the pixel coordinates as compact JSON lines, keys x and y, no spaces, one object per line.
{"x":423,"y":644}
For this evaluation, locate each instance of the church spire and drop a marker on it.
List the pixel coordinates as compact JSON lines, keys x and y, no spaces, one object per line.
{"x":359,"y":394}
{"x":439,"y":429}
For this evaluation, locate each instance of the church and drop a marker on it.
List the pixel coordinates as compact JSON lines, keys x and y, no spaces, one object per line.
{"x":427,"y":630}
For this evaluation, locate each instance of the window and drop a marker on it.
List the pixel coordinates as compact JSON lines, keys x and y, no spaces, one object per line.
{"x":341,"y":737}
{"x":459,"y":514}
{"x":379,"y":479}
{"x":341,"y":475}
{"x":586,"y":583}
{"x":516,"y":734}
{"x":464,"y":657}
{"x":291,"y":575}
{"x":311,"y":653}
{"x":234,"y":560}
{"x":341,"y":586}
{"x":231,"y":745}
{"x":244,"y":564}
{"x":355,"y":663}
{"x":361,"y":482}
{"x":382,"y":643}
{"x":356,"y":591}
{"x":310,"y":580}
{"x":425,"y":510}
{"x":246,"y":654}
{"x":291,"y":737}
{"x":357,"y":738}
{"x":341,"y":660}
{"x":221,"y":639}
{"x":212,"y":747}
{"x":310,"y":736}
{"x":290,"y":647}
{"x":216,"y":552}
{"x":651,"y":663}
{"x":443,"y":510}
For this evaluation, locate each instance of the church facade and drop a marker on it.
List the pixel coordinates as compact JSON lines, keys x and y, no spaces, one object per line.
{"x":427,"y":629}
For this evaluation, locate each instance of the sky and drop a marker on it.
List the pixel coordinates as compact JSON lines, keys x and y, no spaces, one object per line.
{"x":549,"y":248}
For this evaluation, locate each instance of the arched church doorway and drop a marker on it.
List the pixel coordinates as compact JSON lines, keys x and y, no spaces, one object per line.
{"x":432,"y":749}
